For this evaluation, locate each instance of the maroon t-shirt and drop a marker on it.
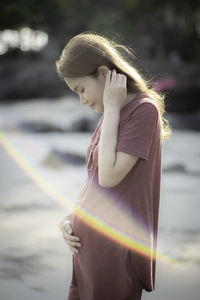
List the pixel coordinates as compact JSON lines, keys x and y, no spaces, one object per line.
{"x":131,"y":208}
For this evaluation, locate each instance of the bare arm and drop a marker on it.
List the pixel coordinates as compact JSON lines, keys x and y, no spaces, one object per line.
{"x":112,"y":166}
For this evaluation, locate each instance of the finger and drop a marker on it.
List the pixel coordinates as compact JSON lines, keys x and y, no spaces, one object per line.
{"x":108,"y":76}
{"x":114,"y":75}
{"x":70,"y":237}
{"x":123,"y":81}
{"x":73,"y":244}
{"x":121,"y":77}
{"x":65,"y":221}
{"x":67,"y":230}
{"x":73,"y":250}
{"x":67,"y":226}
{"x":68,"y":217}
{"x":124,"y":78}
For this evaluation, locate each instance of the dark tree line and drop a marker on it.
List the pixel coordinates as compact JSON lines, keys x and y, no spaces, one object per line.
{"x":159,"y":26}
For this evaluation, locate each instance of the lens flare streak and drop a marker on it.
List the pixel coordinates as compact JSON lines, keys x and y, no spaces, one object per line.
{"x":90,"y":216}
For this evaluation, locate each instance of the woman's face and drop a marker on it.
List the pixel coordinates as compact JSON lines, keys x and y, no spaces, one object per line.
{"x":89,"y":89}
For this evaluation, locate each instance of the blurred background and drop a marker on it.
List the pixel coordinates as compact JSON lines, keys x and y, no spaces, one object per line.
{"x":44,"y":133}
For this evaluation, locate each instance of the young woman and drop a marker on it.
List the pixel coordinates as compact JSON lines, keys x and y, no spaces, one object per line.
{"x":124,"y":173}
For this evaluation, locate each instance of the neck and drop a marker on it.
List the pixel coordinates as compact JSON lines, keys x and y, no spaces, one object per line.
{"x":130,"y":97}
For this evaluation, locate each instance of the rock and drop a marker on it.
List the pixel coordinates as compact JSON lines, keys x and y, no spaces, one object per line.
{"x":82,"y":124}
{"x":39,"y":126}
{"x":57,"y":159}
{"x":176,"y":167}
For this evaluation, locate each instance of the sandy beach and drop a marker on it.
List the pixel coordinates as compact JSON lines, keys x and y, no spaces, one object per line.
{"x":35,"y":262}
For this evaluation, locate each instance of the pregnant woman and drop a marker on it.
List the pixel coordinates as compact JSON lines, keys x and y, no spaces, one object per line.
{"x":112,"y":230}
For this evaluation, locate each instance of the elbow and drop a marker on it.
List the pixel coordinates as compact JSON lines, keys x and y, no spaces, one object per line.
{"x":104,"y":179}
{"x":107,"y":182}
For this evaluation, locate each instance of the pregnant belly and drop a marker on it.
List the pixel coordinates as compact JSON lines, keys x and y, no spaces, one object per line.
{"x":89,"y":236}
{"x":92,"y":240}
{"x":98,"y":260}
{"x":79,"y":228}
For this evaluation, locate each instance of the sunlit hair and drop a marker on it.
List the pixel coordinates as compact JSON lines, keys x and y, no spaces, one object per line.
{"x":87,"y":51}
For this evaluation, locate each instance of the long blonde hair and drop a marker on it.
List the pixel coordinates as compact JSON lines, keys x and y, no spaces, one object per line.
{"x":85,"y":52}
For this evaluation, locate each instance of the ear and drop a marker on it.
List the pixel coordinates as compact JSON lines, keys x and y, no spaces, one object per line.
{"x":102,"y":71}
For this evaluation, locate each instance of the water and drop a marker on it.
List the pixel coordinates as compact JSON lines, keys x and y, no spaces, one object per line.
{"x":34,"y":258}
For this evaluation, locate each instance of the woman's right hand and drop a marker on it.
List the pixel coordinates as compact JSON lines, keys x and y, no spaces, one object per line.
{"x":72,"y":241}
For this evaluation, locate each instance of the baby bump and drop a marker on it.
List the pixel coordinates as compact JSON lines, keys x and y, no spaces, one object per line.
{"x":79,"y":228}
{"x":99,"y":259}
{"x":94,"y":242}
{"x":89,"y":236}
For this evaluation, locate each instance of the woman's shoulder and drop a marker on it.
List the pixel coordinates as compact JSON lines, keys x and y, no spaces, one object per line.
{"x":142,"y":101}
{"x":148,"y":103}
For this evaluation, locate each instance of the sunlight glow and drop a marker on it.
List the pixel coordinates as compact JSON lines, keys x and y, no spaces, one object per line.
{"x":101,"y":213}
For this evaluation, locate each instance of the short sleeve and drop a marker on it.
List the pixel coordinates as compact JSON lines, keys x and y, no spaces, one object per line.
{"x":136,"y":134}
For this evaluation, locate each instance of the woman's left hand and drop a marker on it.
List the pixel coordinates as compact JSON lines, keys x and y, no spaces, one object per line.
{"x":115,"y":90}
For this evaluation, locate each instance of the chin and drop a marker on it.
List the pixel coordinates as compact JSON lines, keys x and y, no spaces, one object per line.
{"x":98,"y":110}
